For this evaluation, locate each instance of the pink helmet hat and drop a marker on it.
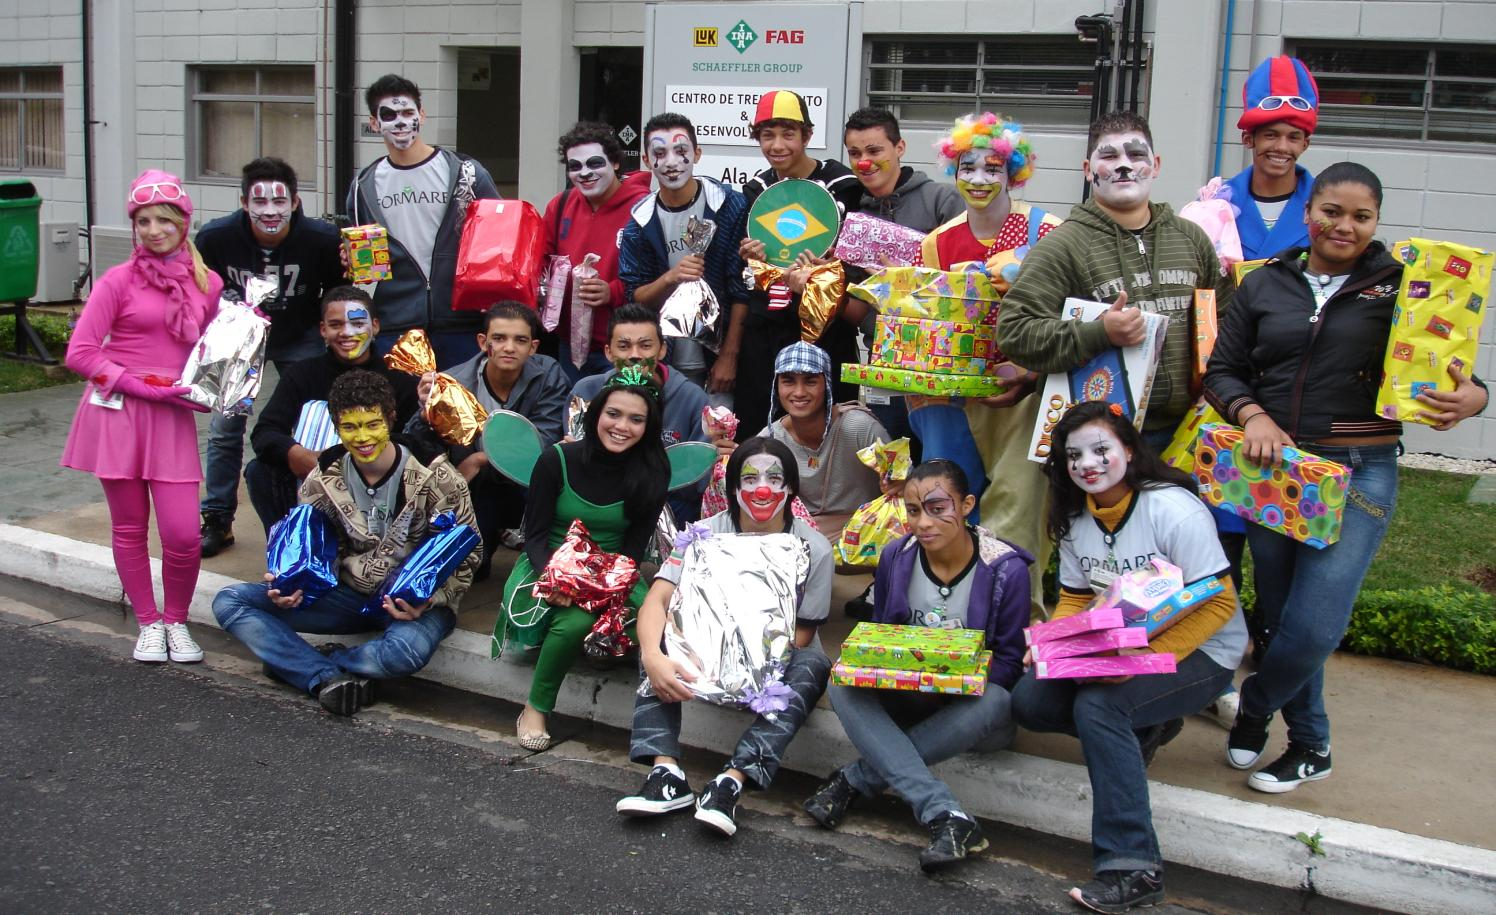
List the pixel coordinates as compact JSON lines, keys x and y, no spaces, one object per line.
{"x":155,"y":186}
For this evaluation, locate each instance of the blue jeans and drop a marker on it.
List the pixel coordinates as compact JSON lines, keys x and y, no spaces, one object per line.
{"x":656,"y":729}
{"x":900,"y":735}
{"x":1304,"y":595}
{"x":1106,"y":716}
{"x":944,"y":433}
{"x":247,"y":613}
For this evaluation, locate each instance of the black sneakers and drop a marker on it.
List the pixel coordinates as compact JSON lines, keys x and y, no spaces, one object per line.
{"x":828,"y":806}
{"x":217,"y":534}
{"x":1297,"y":765}
{"x":1151,"y":738}
{"x":1114,"y":892}
{"x":663,"y":792}
{"x":1247,"y":741}
{"x":952,"y":838}
{"x":345,"y":694}
{"x":717,"y":806}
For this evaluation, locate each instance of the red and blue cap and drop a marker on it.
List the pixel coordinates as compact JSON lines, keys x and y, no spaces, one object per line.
{"x":1280,"y":89}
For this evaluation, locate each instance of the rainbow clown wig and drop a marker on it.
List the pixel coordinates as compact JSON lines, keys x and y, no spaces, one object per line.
{"x":1004,"y":139}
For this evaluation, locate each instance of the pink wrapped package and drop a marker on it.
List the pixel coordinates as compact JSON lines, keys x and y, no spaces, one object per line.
{"x":1079,"y":624}
{"x":1136,"y":593}
{"x":1102,"y":641}
{"x":1127,"y":665}
{"x":717,"y":422}
{"x":872,"y":243}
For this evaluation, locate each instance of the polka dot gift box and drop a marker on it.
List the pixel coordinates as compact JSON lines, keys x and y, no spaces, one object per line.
{"x":1302,"y":497}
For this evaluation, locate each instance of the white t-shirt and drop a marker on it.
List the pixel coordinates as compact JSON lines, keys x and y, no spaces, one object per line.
{"x":414,"y":201}
{"x":1169,"y":523}
{"x":673,"y":223}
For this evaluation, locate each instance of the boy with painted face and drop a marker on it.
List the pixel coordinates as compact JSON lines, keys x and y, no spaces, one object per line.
{"x":1117,"y":247}
{"x":419,"y":193}
{"x":944,"y":574}
{"x":653,"y":259}
{"x":268,"y":236}
{"x":507,"y":374}
{"x":1280,"y":109}
{"x":761,"y":479}
{"x":384,"y":499}
{"x":588,"y":218}
{"x":782,"y":127}
{"x":348,"y":326}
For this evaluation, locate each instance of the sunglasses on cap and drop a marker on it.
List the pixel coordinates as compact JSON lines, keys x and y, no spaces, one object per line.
{"x":596,"y":163}
{"x":1274,"y":102}
{"x":143,"y":194}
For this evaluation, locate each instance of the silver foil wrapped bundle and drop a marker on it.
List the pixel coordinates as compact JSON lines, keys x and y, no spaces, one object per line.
{"x":692,"y":310}
{"x":224,"y":368}
{"x":576,"y":418}
{"x":731,"y":620}
{"x":663,"y":541}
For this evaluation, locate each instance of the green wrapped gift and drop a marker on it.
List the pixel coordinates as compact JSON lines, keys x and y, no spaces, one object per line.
{"x":919,"y":648}
{"x":931,"y":384}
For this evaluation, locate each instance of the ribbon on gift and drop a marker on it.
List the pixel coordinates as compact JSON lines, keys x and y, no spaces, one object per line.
{"x":774,"y":697}
{"x":696,"y":530}
{"x":451,"y":409}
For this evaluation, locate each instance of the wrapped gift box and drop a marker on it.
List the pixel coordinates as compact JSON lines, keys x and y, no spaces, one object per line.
{"x":1136,"y":593}
{"x":929,"y":383}
{"x":1436,"y":324}
{"x":1205,"y":333}
{"x":947,"y":346}
{"x":962,"y":296}
{"x":1181,"y":450}
{"x":872,"y":243}
{"x":368,"y":249}
{"x":1176,"y":606}
{"x":1123,"y":376}
{"x":887,"y":646}
{"x":880,"y":521}
{"x":1078,"y":624}
{"x":1240,"y":270}
{"x":1302,"y":496}
{"x":1089,"y":643}
{"x":972,"y":684}
{"x":1127,"y":665}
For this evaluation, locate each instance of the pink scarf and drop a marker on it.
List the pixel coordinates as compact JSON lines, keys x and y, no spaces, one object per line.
{"x":171,"y":275}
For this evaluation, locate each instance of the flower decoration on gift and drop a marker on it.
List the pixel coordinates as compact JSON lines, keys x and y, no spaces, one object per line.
{"x":1004,"y":139}
{"x":774,"y":697}
{"x":696,"y":530}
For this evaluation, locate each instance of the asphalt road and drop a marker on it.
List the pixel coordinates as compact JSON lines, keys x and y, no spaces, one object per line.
{"x":134,"y":788}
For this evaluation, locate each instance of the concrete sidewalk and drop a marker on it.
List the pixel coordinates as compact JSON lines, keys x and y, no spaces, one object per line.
{"x":1405,"y":819}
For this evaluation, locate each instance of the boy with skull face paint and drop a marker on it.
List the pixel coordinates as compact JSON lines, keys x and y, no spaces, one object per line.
{"x":653,"y":259}
{"x":419,"y":193}
{"x":268,"y":236}
{"x":588,"y":218}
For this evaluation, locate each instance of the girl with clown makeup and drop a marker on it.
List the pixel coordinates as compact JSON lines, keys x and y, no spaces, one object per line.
{"x":1113,"y":506}
{"x":988,"y":437}
{"x":762,"y":479}
{"x":944,"y":574}
{"x":133,"y":429}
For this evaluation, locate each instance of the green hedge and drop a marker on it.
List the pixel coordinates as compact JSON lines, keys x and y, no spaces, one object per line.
{"x":1440,"y":624}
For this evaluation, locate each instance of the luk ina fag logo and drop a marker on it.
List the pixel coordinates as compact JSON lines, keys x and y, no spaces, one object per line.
{"x":741,"y":36}
{"x":703,"y":37}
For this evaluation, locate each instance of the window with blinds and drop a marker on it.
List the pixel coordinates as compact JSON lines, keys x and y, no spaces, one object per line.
{"x":1038,"y":80}
{"x":31,"y":120}
{"x":1435,"y":93}
{"x":241,"y":113}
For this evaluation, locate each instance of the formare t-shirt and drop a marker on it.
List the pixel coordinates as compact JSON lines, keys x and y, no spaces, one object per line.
{"x":1169,"y":523}
{"x":413,"y":202}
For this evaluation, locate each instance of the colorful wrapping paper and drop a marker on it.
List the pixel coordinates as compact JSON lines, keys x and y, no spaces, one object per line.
{"x":1090,"y":643}
{"x":588,"y":576}
{"x":872,"y":243}
{"x":428,"y":567}
{"x":499,"y":255}
{"x":821,"y":300}
{"x":1177,"y":606}
{"x":555,"y":281}
{"x":934,"y":346}
{"x":1136,"y":593}
{"x":877,"y":523}
{"x":368,"y":249}
{"x":889,"y":646}
{"x":1127,"y":665}
{"x":1302,"y":497}
{"x":1180,"y":452}
{"x":1213,"y":211}
{"x":579,"y":341}
{"x":972,"y":684}
{"x":1436,"y":324}
{"x":451,"y":409}
{"x":964,"y":296}
{"x":1239,"y":271}
{"x":1205,"y":334}
{"x":927,"y":383}
{"x":302,"y":553}
{"x":717,"y":423}
{"x":1078,"y":624}
{"x":314,"y":429}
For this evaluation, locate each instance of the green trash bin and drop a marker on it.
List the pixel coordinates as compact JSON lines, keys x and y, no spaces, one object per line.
{"x":20,"y":239}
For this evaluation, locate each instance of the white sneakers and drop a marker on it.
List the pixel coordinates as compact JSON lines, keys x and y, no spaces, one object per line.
{"x":167,"y":641}
{"x":151,"y":646}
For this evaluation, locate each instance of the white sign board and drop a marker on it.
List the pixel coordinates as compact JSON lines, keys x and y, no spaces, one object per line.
{"x":712,"y":61}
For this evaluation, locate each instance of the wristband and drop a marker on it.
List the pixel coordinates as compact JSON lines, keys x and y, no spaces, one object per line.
{"x":1252,"y":417}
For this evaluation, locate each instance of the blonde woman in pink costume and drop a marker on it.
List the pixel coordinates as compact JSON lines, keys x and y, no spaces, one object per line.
{"x":134,"y":430}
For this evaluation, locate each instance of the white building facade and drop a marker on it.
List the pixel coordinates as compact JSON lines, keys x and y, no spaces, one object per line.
{"x":198,"y":87}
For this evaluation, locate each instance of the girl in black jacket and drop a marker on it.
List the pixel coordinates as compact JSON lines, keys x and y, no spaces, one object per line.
{"x":1298,"y":362}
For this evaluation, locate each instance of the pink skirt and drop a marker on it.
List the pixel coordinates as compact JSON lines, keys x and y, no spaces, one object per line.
{"x":142,"y":441}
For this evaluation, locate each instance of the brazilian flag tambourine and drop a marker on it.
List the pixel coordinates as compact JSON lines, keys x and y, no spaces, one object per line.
{"x":792,"y":216}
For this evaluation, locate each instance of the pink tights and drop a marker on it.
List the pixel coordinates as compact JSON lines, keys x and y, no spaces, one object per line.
{"x":176,"y":520}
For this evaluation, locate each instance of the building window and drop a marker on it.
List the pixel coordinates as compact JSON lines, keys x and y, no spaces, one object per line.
{"x":1039,"y":81}
{"x":1435,"y":93}
{"x":242,"y":113}
{"x":31,"y":134}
